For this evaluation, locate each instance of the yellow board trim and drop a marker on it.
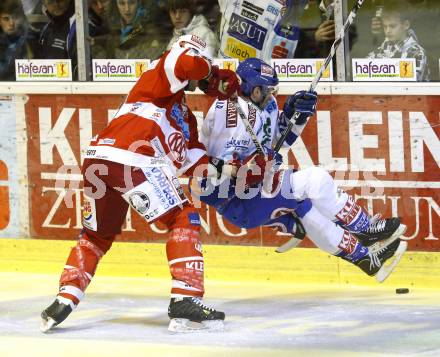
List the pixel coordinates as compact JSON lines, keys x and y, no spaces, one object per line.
{"x":228,"y":263}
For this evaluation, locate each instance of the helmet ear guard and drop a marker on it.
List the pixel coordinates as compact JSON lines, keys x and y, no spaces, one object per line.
{"x":246,"y":88}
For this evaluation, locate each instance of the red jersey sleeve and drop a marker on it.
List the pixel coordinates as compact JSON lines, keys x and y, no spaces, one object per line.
{"x":191,"y":67}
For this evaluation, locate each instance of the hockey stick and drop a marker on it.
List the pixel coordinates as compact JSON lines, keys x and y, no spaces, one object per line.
{"x":327,"y":61}
{"x":249,"y":129}
{"x":300,"y":231}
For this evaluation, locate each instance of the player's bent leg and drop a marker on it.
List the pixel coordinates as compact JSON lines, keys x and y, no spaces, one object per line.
{"x":334,"y":203}
{"x":185,"y":257}
{"x":339,"y":242}
{"x":101,"y":225}
{"x":76,"y":277}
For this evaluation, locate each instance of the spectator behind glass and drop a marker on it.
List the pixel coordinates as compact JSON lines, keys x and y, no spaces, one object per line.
{"x":99,"y":14}
{"x":400,"y":40}
{"x":210,"y":11}
{"x":185,"y":22}
{"x":317,"y":30}
{"x":139,"y":35}
{"x":58,"y":37}
{"x":315,"y":42}
{"x":17,"y":40}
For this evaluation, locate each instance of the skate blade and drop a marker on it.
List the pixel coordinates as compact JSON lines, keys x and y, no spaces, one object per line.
{"x":386,"y":270}
{"x":386,"y":242}
{"x":290,"y":244}
{"x":185,"y":325}
{"x":47,"y":325}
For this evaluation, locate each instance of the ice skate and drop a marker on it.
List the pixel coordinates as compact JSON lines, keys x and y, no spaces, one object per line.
{"x":189,"y":314}
{"x":381,"y":232}
{"x":374,"y":262}
{"x":54,"y":314}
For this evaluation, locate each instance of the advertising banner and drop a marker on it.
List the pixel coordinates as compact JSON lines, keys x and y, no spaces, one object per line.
{"x":43,"y":70}
{"x":9,"y":193}
{"x":127,"y":70}
{"x":384,"y":69}
{"x":301,"y":70}
{"x":230,"y":63}
{"x":386,"y":154}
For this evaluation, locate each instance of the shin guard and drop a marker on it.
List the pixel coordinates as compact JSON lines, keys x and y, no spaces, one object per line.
{"x":79,"y":270}
{"x":185,"y":258}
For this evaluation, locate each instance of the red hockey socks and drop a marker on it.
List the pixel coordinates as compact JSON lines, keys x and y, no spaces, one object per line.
{"x":185,"y":258}
{"x":79,"y":269}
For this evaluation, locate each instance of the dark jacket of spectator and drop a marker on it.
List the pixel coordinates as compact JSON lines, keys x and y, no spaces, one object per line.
{"x":58,"y":37}
{"x":99,"y":34}
{"x":17,"y":45}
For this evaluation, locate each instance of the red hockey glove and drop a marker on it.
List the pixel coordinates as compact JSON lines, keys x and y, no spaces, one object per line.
{"x":222,"y":83}
{"x":256,"y":166}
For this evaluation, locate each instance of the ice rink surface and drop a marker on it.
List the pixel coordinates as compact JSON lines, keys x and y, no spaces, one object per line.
{"x":127,"y":317}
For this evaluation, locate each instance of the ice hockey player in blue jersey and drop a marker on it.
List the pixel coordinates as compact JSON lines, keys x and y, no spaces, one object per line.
{"x":261,"y":193}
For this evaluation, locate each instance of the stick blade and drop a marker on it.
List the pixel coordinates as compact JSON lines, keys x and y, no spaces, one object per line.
{"x":290,"y":244}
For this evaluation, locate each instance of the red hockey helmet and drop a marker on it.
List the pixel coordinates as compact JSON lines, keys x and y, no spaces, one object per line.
{"x":195,"y":43}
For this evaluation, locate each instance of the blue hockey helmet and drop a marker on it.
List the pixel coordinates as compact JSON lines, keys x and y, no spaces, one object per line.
{"x":254,"y":72}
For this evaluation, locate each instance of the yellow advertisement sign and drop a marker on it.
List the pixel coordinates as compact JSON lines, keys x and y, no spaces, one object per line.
{"x":326,"y":73}
{"x":140,"y":67}
{"x":62,"y":70}
{"x":406,"y":69}
{"x":237,"y":49}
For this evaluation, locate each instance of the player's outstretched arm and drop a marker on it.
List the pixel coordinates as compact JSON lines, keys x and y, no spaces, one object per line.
{"x":304,"y":104}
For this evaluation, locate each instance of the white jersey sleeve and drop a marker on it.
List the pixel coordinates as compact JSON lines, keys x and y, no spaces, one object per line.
{"x":207,"y":126}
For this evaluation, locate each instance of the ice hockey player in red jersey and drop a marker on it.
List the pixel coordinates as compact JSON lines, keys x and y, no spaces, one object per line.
{"x":135,"y":161}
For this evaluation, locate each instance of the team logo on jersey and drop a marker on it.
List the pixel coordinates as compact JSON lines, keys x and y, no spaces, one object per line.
{"x":247,"y":31}
{"x":177,"y":145}
{"x":139,"y":201}
{"x":231,"y":115}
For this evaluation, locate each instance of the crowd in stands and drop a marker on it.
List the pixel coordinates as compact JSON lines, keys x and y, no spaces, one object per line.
{"x":137,"y":29}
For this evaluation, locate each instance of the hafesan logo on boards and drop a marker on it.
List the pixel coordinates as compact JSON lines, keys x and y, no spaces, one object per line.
{"x":301,"y":69}
{"x":383,"y":69}
{"x":43,"y":70}
{"x":118,"y":69}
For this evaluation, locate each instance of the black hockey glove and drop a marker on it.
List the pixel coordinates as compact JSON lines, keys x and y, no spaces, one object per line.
{"x":302,"y":102}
